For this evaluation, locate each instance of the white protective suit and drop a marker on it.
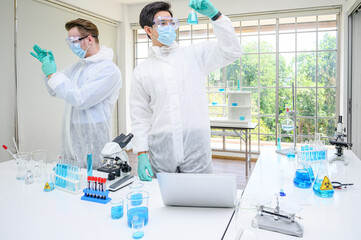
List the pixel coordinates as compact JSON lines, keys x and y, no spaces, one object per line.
{"x":168,"y":101}
{"x":90,"y":88}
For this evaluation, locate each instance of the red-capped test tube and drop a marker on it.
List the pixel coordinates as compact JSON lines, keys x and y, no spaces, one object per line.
{"x":89,"y":179}
{"x":95,"y":183}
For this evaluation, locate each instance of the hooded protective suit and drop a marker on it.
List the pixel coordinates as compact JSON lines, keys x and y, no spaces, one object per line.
{"x":168,"y":101}
{"x":90,"y":88}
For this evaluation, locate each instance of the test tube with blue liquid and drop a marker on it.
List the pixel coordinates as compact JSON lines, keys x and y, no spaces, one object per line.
{"x":192,"y":17}
{"x":278,"y":136}
{"x":89,"y":160}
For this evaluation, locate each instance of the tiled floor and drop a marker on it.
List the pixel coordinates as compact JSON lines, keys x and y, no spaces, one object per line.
{"x":219,"y":166}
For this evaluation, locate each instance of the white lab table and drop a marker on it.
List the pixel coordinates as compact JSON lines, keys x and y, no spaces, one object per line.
{"x":334,"y":218}
{"x":27,"y":212}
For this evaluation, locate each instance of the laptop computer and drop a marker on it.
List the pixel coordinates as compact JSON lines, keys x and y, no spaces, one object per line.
{"x":198,"y":190}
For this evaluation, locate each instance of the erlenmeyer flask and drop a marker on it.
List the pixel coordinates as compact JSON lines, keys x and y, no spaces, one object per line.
{"x":322,"y":186}
{"x":192,"y":17}
{"x":287,"y":124}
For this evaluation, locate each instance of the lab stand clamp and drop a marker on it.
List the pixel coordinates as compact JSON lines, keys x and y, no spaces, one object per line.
{"x":276,"y":220}
{"x":97,"y":196}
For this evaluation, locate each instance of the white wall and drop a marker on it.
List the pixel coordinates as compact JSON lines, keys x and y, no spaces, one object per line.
{"x":125,"y":46}
{"x":7,"y":77}
{"x":108,"y":8}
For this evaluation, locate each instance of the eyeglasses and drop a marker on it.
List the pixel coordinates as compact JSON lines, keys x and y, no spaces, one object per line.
{"x":75,"y":40}
{"x":162,"y":21}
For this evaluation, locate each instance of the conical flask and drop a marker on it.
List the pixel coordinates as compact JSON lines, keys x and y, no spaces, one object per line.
{"x":322,"y":186}
{"x":287,"y":124}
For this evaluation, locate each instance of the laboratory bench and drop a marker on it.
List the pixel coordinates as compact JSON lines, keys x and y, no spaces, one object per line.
{"x":335,"y":218}
{"x":27,"y":212}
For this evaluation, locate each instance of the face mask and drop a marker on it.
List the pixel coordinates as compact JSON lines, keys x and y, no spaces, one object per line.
{"x":167,"y":35}
{"x":75,"y":47}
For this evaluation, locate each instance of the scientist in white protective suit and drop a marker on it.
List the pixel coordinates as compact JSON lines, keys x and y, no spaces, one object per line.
{"x":90,"y":88}
{"x":168,"y":100}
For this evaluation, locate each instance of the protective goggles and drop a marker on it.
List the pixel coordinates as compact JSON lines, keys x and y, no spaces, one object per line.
{"x":76,"y":40}
{"x":161,"y":22}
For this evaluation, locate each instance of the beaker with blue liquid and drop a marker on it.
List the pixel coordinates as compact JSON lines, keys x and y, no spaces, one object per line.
{"x":304,"y":175}
{"x":137,"y":205}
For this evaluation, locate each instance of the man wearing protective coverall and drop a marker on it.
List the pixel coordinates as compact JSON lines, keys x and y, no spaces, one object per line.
{"x":90,"y":89}
{"x":168,"y":100}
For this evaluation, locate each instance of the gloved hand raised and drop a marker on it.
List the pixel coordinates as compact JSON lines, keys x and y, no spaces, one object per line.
{"x":46,"y":58}
{"x":204,"y":7}
{"x":49,"y":66}
{"x":39,"y":53}
{"x":143,"y":164}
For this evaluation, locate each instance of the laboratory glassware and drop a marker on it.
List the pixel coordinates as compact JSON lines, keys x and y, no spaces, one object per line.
{"x":137,"y":205}
{"x":192,"y":17}
{"x":116,"y":208}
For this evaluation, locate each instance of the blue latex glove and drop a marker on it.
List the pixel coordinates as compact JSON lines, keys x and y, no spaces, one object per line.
{"x":143,"y":164}
{"x":49,"y":66}
{"x":39,"y":54}
{"x":204,"y":7}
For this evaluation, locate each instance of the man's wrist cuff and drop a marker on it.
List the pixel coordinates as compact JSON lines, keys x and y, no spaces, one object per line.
{"x":215,"y":17}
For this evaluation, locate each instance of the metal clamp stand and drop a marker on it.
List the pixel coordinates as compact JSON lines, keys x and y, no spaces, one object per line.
{"x":276,"y":220}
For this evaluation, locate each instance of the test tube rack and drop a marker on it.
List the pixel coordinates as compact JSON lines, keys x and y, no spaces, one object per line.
{"x":96,"y":196}
{"x":67,"y":180}
{"x":314,"y":155}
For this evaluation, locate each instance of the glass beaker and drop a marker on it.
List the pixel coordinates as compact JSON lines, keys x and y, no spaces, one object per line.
{"x":39,"y":158}
{"x":304,"y":174}
{"x":21,"y":169}
{"x":322,"y":186}
{"x":137,"y":226}
{"x":117,"y":208}
{"x":137,"y":205}
{"x":192,"y":17}
{"x":29,"y":178}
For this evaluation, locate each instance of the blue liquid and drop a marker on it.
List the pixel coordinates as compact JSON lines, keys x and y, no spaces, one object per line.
{"x":291,"y":155}
{"x":322,"y":193}
{"x":310,"y":172}
{"x":221,"y":89}
{"x":302,"y":179}
{"x":138,"y":235}
{"x":234,"y":104}
{"x":278,"y":143}
{"x":287,"y":127}
{"x":89,"y":160}
{"x":141,"y":212}
{"x":214,"y":103}
{"x":241,"y":118}
{"x":136,"y":199}
{"x":117,"y":212}
{"x":192,"y":18}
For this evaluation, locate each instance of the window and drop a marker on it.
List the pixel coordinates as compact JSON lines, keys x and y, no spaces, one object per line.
{"x":277,"y":53}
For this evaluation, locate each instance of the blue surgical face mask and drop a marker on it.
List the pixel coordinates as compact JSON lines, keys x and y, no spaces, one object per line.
{"x":75,"y":47}
{"x":167,"y":35}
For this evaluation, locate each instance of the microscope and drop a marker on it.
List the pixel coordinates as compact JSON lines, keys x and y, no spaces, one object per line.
{"x":116,"y":162}
{"x":339,"y":143}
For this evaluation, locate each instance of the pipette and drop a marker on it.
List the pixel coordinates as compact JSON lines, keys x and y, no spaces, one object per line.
{"x":16,"y":146}
{"x":10,"y":152}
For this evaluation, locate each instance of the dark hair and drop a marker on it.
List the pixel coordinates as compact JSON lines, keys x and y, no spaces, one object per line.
{"x":85,"y":27}
{"x":147,"y":14}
